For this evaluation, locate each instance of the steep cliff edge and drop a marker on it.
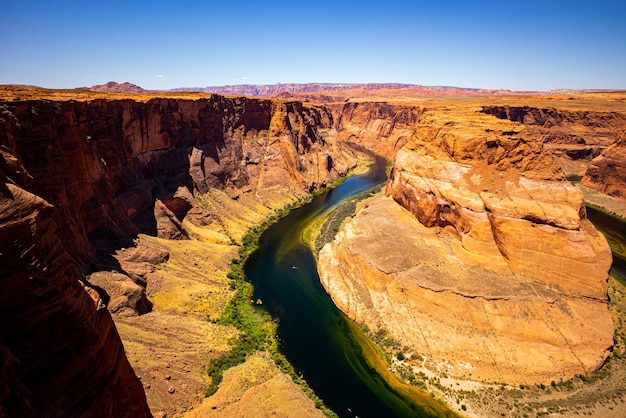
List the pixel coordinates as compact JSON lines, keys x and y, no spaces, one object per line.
{"x":575,"y":136}
{"x":103,"y":164}
{"x":379,"y":126}
{"x":607,"y":172}
{"x":60,"y":352}
{"x":80,"y":179}
{"x":480,"y":258}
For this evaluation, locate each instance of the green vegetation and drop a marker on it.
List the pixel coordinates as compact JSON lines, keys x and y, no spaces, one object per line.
{"x":606,"y":211}
{"x":254,"y":323}
{"x":334,"y":220}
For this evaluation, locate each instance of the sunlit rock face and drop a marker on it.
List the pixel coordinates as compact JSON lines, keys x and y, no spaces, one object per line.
{"x":479,"y":257}
{"x":379,"y":126}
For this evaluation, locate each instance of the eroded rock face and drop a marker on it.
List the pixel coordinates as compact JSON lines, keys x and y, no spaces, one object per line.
{"x":504,"y":198}
{"x":575,"y":137}
{"x":607,"y":172}
{"x":103,"y":164}
{"x":381,"y":127}
{"x":483,"y":248}
{"x":78,"y":180}
{"x":123,"y":295}
{"x":60,"y":352}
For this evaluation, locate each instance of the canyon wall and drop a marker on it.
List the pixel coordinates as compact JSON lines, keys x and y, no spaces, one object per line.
{"x":60,"y":354}
{"x":607,"y":172}
{"x":79,"y":179}
{"x":381,"y":127}
{"x":103,"y":164}
{"x":478,"y":257}
{"x":574,"y":136}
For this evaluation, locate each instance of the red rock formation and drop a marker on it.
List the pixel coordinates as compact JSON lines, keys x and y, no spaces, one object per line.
{"x":116,"y":87}
{"x":607,"y":172}
{"x":60,"y":352}
{"x":103,"y":164}
{"x":380,"y":127}
{"x":77,"y":179}
{"x":574,"y":136}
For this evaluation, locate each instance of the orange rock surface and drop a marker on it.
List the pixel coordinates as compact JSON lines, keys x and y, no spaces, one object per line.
{"x":483,"y":248}
{"x":607,"y":172}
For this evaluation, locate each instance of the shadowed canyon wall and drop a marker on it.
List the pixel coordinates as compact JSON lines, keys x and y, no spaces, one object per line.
{"x":79,"y":179}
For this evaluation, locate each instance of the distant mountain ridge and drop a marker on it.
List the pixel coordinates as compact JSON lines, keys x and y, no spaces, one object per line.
{"x":295,"y":88}
{"x":273,"y":89}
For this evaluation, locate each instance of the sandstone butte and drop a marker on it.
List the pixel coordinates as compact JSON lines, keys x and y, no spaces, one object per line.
{"x":478,"y":243}
{"x":478,"y":255}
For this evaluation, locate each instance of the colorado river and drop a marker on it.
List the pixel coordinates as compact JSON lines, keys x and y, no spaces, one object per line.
{"x":332,"y":354}
{"x":615,"y":232}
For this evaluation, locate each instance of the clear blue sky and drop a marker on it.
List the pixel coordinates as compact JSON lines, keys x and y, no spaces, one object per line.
{"x":518,"y":45}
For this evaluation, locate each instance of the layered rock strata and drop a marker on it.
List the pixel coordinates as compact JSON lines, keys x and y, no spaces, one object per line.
{"x":480,"y":257}
{"x":574,"y":136}
{"x":103,"y":164}
{"x":78,"y":180}
{"x":381,"y":127}
{"x":607,"y":172}
{"x":60,"y":354}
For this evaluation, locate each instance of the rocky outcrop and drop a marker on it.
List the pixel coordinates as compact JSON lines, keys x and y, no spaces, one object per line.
{"x":480,"y":258}
{"x":78,"y":180}
{"x":574,"y":136}
{"x":60,"y":352}
{"x":378,"y":126}
{"x":113,"y":86}
{"x":607,"y":172}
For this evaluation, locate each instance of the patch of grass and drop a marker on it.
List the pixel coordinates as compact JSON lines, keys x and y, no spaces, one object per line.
{"x":606,"y":211}
{"x":334,"y":220}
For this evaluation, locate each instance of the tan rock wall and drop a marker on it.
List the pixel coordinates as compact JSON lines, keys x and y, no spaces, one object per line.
{"x":480,"y":258}
{"x":385,"y":269}
{"x":607,"y":172}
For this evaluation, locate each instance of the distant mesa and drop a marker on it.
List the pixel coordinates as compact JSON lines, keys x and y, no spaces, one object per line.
{"x":113,"y":86}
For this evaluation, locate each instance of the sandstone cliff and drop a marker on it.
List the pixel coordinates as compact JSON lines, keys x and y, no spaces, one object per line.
{"x":607,"y":172}
{"x":480,"y":258}
{"x":575,"y":136}
{"x":381,"y":127}
{"x":60,"y":354}
{"x":104,"y":164}
{"x":79,"y":179}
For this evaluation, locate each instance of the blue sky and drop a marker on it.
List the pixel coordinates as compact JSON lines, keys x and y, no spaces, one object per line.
{"x":517,"y":45}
